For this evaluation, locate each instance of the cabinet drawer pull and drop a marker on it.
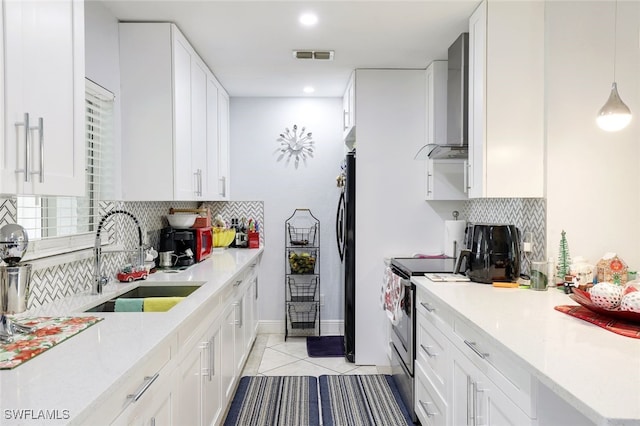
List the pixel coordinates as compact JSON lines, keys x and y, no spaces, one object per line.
{"x":427,"y":307}
{"x":148,"y":380}
{"x":427,"y":351}
{"x":425,"y":408}
{"x":474,"y":348}
{"x":237,"y":283}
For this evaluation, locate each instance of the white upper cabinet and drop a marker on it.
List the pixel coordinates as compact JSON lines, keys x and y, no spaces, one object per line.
{"x":223,"y":145}
{"x":44,"y":86}
{"x":349,"y":112}
{"x":506,"y":99}
{"x":170,"y":116}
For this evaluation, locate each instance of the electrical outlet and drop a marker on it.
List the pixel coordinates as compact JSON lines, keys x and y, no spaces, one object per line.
{"x":322,"y":300}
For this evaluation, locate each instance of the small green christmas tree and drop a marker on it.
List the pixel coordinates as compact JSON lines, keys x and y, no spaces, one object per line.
{"x":564,"y":259}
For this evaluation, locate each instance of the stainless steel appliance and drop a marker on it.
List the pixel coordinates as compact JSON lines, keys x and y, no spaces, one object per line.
{"x":457,"y":143}
{"x":403,"y":335}
{"x":493,"y":254}
{"x":15,"y":280}
{"x":346,"y":239}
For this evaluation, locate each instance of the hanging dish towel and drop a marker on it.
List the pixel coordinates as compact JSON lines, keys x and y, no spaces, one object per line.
{"x":128,"y":305}
{"x":160,"y":304}
{"x":392,"y":296}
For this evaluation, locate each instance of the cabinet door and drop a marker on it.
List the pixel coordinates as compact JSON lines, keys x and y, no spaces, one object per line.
{"x":199,"y":169}
{"x":506,"y":138}
{"x":446,"y":180}
{"x":189,"y":404}
{"x":227,"y":358}
{"x":239,"y":334}
{"x":477,"y":78}
{"x":44,"y":77}
{"x":211,"y":381}
{"x":478,"y":401}
{"x":211,"y":184}
{"x":349,"y":113}
{"x":223,"y":144}
{"x":469,"y":393}
{"x":183,"y":178}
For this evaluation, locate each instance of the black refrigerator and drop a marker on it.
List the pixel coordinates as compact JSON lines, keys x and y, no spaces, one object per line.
{"x":346,"y":236}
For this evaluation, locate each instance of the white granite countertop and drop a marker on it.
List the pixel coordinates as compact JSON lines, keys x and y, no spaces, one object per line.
{"x":73,"y":375}
{"x":594,"y":370}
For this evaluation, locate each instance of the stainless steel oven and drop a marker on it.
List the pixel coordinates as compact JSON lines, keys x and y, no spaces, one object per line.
{"x":403,"y":334}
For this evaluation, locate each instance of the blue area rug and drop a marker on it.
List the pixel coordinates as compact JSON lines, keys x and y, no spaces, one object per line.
{"x":275,"y":400}
{"x":325,"y":346}
{"x":362,"y":400}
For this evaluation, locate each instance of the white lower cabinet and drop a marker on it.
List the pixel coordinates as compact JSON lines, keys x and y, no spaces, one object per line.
{"x":478,"y":401}
{"x":199,"y":380}
{"x":212,"y":364}
{"x":430,"y":406}
{"x":147,"y":396}
{"x":463,"y":379}
{"x":227,"y":358}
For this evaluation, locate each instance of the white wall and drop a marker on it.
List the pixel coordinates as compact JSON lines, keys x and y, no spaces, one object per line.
{"x":257,"y":175}
{"x":392,"y":218}
{"x":102,"y":66}
{"x":593,"y":178}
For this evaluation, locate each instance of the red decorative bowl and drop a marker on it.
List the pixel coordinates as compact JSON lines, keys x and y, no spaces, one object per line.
{"x":584,"y":299}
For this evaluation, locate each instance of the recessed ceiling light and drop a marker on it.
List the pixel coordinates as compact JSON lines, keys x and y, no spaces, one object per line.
{"x":308,"y":19}
{"x":308,"y":89}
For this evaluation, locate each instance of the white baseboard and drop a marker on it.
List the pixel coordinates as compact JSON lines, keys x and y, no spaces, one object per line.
{"x":327,"y":328}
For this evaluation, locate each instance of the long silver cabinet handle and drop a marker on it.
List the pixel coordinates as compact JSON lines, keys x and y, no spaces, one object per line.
{"x":473,"y":346}
{"x":27,"y":146}
{"x":212,"y":358}
{"x":41,"y":143}
{"x":427,"y":351}
{"x":471,"y":407}
{"x":427,"y":307}
{"x":425,"y":408}
{"x":474,"y":402}
{"x":206,"y":346}
{"x":148,"y":381}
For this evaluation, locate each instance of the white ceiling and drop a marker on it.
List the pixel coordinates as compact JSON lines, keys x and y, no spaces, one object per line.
{"x":248,"y":44}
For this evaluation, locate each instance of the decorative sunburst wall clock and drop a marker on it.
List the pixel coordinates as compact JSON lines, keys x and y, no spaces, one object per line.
{"x":295,"y":144}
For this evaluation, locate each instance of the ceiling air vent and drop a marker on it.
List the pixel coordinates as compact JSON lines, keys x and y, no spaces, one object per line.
{"x":320,"y":55}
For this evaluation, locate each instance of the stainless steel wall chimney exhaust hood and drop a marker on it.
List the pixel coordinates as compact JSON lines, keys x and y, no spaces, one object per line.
{"x":457,"y":143}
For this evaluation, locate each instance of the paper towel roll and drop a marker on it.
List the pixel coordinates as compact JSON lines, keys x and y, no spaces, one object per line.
{"x":454,"y":232}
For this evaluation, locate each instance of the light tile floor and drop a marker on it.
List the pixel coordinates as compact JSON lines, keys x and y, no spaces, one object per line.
{"x":272,"y":356}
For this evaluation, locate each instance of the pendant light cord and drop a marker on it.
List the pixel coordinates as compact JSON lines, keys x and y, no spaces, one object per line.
{"x":615,"y":39}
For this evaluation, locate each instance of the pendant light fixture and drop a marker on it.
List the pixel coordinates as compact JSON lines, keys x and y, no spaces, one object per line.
{"x":614,"y":115}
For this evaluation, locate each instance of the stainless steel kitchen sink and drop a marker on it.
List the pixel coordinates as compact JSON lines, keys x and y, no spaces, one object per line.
{"x":146,"y":291}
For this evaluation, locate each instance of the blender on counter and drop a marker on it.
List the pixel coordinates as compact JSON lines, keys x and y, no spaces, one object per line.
{"x":14,"y":280}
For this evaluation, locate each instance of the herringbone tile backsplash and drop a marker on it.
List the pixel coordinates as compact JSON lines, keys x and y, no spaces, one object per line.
{"x":59,"y":281}
{"x":528,"y":214}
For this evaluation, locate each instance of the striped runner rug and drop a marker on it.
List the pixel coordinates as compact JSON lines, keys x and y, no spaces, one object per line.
{"x":275,"y":400}
{"x":362,"y":400}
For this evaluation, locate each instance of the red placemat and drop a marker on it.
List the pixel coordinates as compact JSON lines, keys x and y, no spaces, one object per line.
{"x":624,"y":328}
{"x":50,"y":331}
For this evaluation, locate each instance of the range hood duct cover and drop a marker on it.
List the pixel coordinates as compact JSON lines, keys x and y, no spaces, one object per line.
{"x":457,"y":143}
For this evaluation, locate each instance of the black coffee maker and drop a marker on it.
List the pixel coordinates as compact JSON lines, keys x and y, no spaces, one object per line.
{"x":185,"y":247}
{"x":177,"y":248}
{"x":493,"y":254}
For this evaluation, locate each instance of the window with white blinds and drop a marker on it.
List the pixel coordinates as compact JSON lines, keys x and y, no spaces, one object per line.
{"x":49,"y":217}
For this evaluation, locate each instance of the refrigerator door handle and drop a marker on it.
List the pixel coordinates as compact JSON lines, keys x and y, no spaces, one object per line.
{"x":340,"y":226}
